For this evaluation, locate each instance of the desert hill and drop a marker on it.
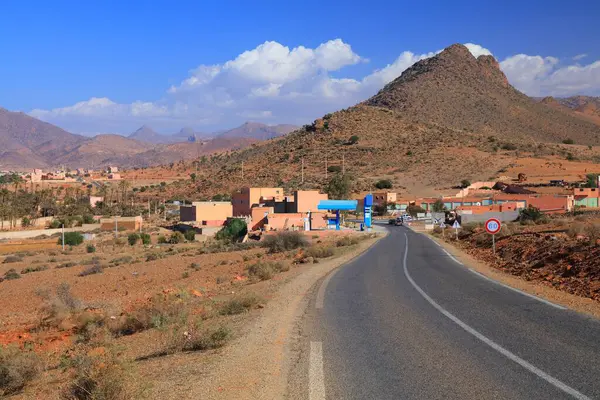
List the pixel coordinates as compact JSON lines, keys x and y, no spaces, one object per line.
{"x":258,"y":131}
{"x":447,"y":118}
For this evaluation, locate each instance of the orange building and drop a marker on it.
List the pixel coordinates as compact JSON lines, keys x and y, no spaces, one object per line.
{"x":249,"y":197}
{"x":204,"y":211}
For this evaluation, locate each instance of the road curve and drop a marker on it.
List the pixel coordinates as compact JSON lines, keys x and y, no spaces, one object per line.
{"x":406,"y":321}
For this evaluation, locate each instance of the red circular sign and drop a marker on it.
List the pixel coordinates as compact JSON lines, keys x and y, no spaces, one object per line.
{"x":492,"y":226}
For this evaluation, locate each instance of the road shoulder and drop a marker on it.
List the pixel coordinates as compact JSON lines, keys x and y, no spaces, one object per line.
{"x":575,"y":303}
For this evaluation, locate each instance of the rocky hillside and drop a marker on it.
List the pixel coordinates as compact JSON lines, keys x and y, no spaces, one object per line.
{"x":438,"y":123}
{"x":456,"y":90}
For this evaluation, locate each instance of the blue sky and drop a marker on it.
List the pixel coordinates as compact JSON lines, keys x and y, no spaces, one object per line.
{"x":61,"y":53}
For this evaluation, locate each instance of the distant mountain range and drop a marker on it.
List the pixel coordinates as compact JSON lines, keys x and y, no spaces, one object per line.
{"x":26,"y":142}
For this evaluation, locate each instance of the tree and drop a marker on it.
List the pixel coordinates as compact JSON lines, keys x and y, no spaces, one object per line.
{"x":72,"y":239}
{"x":438,"y":206}
{"x":133,"y":238}
{"x":465,"y":183}
{"x":234,"y":230}
{"x":413,"y":210}
{"x":592,"y":180}
{"x":383,"y":184}
{"x":353,"y":139}
{"x":339,"y":186}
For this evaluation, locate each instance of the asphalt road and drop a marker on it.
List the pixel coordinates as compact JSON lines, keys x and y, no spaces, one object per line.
{"x":406,"y":321}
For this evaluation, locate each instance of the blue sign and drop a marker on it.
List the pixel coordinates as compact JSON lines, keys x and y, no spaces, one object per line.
{"x":368,"y":202}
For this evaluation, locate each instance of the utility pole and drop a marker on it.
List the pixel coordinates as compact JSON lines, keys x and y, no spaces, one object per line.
{"x":302,"y":170}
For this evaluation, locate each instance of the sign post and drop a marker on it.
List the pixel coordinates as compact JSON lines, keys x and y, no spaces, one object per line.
{"x":443,"y":226}
{"x":456,"y":227}
{"x":493,"y":226}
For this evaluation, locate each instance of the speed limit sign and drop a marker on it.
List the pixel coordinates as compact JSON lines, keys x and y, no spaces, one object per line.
{"x":492,"y":226}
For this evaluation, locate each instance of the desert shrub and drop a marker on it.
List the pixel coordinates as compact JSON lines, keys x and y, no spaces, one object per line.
{"x":159,"y":313}
{"x":186,"y":339}
{"x":176,"y":237}
{"x":437,"y":230}
{"x":465,"y":183}
{"x":509,"y":146}
{"x":154,"y":256}
{"x":121,"y":260}
{"x":25,"y":222}
{"x":90,"y":248}
{"x":102,"y":377}
{"x":66,"y":265}
{"x":470,"y":227}
{"x":54,"y":224}
{"x":71,"y":239}
{"x":34,"y":269}
{"x":284,"y":241}
{"x":234,"y":230}
{"x":17,"y":369}
{"x":94,"y":269}
{"x":190,"y":235}
{"x":319,"y":251}
{"x":568,"y":141}
{"x":221,"y":279}
{"x":334,"y":168}
{"x":162,"y":239}
{"x":530,"y":214}
{"x":12,"y":259}
{"x":145,"y":238}
{"x":265,"y":270}
{"x":347,"y":240}
{"x":570,"y":157}
{"x":239,"y":305}
{"x":592,"y":231}
{"x":11,"y":274}
{"x":88,"y":219}
{"x":133,"y":238}
{"x":575,"y":229}
{"x":383,"y":184}
{"x":195,"y":266}
{"x":353,"y":139}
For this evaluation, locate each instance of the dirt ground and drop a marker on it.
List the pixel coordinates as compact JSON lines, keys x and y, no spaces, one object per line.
{"x":130,"y":280}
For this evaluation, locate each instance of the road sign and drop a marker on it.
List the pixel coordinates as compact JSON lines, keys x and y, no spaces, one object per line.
{"x":492,"y":226}
{"x":442,"y":225}
{"x":456,"y":225}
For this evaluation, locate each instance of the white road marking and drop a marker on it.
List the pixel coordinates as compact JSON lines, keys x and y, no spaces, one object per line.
{"x":320,"y":300}
{"x":517,"y":290}
{"x":451,"y":256}
{"x":530,"y":367}
{"x":316,"y":379}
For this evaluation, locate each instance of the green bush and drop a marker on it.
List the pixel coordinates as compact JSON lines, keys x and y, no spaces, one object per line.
{"x":334,"y":168}
{"x":25,"y":222}
{"x":284,"y":241}
{"x":88,"y":219}
{"x":263,"y":270}
{"x":353,"y":139}
{"x":465,"y":183}
{"x":568,"y":141}
{"x":71,"y":239}
{"x":55,"y":224}
{"x":145,"y":238}
{"x":162,"y":239}
{"x":90,"y":248}
{"x":530,"y":214}
{"x":383,"y":184}
{"x":176,"y":237}
{"x":509,"y":146}
{"x":190,"y":235}
{"x":133,"y":238}
{"x":234,"y":230}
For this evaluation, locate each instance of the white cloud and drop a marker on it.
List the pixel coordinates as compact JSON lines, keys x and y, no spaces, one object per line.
{"x":274,"y":83}
{"x":579,"y":57}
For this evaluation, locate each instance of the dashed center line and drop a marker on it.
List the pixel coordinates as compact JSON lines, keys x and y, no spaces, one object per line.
{"x":316,"y":379}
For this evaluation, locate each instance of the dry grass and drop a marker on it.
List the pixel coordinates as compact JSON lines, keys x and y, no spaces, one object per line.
{"x":17,"y":369}
{"x":284,"y":241}
{"x":264,"y":271}
{"x":239,"y":305}
{"x":319,"y":251}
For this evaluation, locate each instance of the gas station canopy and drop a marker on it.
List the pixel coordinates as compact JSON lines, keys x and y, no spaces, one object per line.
{"x":335,"y":205}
